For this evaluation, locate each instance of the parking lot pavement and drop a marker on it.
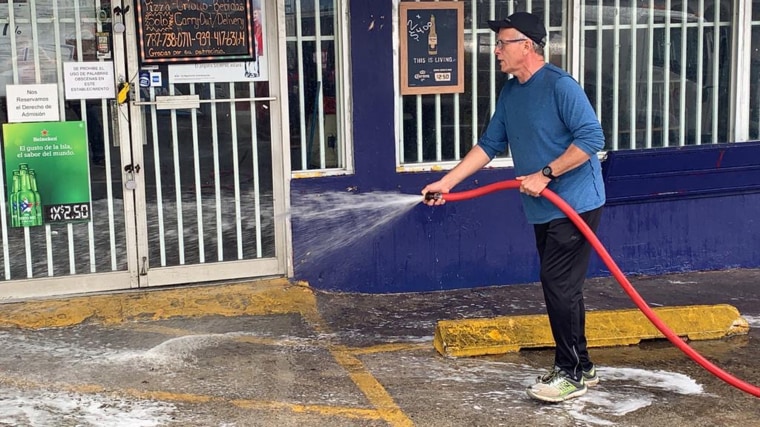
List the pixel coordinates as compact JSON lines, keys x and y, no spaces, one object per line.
{"x":280,"y":354}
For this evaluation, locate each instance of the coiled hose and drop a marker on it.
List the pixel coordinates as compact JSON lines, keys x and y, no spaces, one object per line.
{"x":616,"y":272}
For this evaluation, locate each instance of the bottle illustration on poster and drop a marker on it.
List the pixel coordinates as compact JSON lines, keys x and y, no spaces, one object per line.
{"x":26,"y":207}
{"x":432,"y":37}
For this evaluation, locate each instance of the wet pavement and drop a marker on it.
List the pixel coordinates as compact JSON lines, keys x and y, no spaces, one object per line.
{"x":311,"y":358}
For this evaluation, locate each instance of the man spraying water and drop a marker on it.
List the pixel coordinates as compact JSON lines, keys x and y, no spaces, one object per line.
{"x":546,"y":120}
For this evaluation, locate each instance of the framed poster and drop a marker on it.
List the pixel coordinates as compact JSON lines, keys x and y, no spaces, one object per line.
{"x":47,"y":172}
{"x":432,"y":47}
{"x":171,"y":31}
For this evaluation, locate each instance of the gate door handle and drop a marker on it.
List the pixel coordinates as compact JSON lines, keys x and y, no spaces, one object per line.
{"x":132,"y":168}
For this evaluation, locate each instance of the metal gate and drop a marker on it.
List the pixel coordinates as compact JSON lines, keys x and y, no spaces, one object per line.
{"x":187,"y":180}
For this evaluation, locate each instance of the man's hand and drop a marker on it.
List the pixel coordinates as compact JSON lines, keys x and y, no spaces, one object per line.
{"x":533,"y":184}
{"x":435,"y":187}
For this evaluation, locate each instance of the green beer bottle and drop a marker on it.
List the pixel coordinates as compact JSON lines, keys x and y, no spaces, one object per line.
{"x":37,"y":199}
{"x":26,"y":214}
{"x":14,"y":200}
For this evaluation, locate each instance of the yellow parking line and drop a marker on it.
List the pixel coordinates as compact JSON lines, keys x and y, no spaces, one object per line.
{"x":371,"y":388}
{"x":164,"y":396}
{"x":338,"y":411}
{"x":346,"y":357}
{"x":389,"y":348}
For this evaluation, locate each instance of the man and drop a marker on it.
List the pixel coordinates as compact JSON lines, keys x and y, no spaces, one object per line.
{"x":545,"y":118}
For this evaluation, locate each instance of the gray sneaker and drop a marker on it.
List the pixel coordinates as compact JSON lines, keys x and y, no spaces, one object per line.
{"x":590,"y":378}
{"x":556,"y":386}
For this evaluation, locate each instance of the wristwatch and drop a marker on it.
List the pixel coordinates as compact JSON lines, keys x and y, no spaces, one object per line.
{"x":547,"y":172}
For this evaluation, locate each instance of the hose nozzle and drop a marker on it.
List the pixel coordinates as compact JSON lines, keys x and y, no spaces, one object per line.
{"x":433,"y":196}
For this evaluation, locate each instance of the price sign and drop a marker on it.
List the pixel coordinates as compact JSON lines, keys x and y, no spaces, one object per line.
{"x":172,"y":31}
{"x":67,"y":212}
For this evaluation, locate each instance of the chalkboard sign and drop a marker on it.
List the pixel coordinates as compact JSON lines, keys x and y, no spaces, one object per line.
{"x":180,"y":31}
{"x":432,"y":47}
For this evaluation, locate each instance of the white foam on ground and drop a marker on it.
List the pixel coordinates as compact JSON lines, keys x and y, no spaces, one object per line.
{"x":620,"y":392}
{"x":754,"y":321}
{"x":22,"y":344}
{"x":45,"y":408}
{"x":665,"y":380}
{"x":172,"y":353}
{"x":631,"y":393}
{"x":180,"y":352}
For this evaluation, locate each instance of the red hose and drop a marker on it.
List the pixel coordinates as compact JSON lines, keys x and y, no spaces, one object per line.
{"x":617,"y":273}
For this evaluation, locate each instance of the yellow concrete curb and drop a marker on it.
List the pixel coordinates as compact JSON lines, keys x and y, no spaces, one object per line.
{"x":270,"y":296}
{"x":604,"y":328}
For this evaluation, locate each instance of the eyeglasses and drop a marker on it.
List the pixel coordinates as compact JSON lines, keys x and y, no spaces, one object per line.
{"x":501,"y":43}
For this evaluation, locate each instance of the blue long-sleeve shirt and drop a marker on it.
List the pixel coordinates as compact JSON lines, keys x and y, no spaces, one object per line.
{"x":538,"y":120}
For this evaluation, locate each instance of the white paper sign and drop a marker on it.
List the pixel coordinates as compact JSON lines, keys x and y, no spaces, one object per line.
{"x":32,"y":103}
{"x":89,"y":80}
{"x":216,"y":72}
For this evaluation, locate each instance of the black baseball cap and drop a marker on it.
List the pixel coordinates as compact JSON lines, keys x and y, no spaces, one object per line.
{"x":524,"y":22}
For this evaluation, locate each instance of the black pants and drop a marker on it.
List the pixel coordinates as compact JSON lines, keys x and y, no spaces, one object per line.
{"x":564,"y":254}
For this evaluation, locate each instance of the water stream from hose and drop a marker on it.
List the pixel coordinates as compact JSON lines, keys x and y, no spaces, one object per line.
{"x":346,"y":218}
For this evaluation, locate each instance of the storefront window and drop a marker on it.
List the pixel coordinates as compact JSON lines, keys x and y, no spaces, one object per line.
{"x":658,"y":77}
{"x":657,"y":74}
{"x":313,"y":85}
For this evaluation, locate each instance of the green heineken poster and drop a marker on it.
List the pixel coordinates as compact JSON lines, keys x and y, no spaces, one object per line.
{"x":47,"y":172}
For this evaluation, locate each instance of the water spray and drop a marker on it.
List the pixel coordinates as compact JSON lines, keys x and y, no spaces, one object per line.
{"x":614,"y":269}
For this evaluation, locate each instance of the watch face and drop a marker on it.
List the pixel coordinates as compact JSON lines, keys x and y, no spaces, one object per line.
{"x":547,"y":171}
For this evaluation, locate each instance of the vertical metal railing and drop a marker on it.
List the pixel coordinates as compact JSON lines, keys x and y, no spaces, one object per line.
{"x":475,"y":39}
{"x":420,"y":136}
{"x":650,"y":74}
{"x":159,"y":207}
{"x":666,"y":78}
{"x":255,"y":177}
{"x":319,"y":117}
{"x":716,"y":72}
{"x":599,"y":52}
{"x":754,"y":97}
{"x":198,"y":182}
{"x":235,"y":176}
{"x":633,"y":75}
{"x":700,"y":74}
{"x":615,"y":78}
{"x":682,"y":123}
{"x":301,"y":87}
{"x":178,"y":214}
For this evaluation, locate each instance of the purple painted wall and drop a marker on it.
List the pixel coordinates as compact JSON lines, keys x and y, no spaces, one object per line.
{"x":647,"y":228}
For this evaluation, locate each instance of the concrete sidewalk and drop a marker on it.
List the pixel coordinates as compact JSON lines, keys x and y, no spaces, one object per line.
{"x":275,"y":353}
